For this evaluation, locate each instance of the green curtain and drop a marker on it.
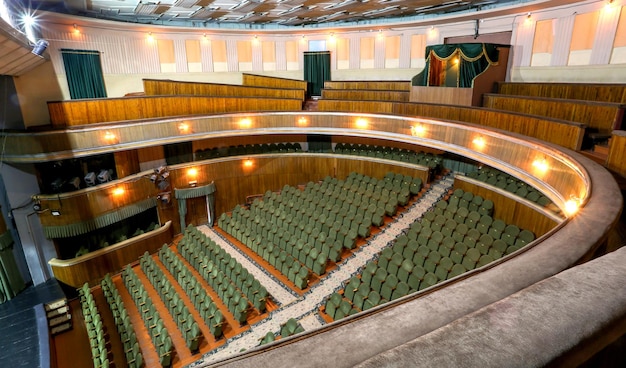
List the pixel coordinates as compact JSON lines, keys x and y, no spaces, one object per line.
{"x":84,"y":73}
{"x":11,"y":281}
{"x":316,"y":71}
{"x":474,"y":59}
{"x":109,"y":218}
{"x":182,"y":195}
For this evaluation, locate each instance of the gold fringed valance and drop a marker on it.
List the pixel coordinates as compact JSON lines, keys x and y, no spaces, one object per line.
{"x":79,"y":228}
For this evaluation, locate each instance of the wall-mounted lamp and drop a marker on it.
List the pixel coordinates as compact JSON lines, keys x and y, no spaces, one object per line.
{"x":118,"y":191}
{"x":541,"y":164}
{"x":479,"y":142}
{"x":150,"y":37}
{"x":245,"y":123}
{"x":572,"y":205}
{"x":418,"y":130}
{"x":302,"y":120}
{"x":184,"y":128}
{"x":110,"y":137}
{"x":192,"y":174}
{"x":75,"y":30}
{"x":248,"y":164}
{"x":361,"y":123}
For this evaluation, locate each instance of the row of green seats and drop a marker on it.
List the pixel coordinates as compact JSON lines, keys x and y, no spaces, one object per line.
{"x":176,"y":306}
{"x":125,"y":329}
{"x":150,"y":316}
{"x":201,"y":300}
{"x":95,"y":331}
{"x":389,"y":153}
{"x":248,"y":149}
{"x":285,"y":263}
{"x":511,"y":184}
{"x":441,"y":246}
{"x":199,"y":245}
{"x":212,"y":267}
{"x":338,"y":307}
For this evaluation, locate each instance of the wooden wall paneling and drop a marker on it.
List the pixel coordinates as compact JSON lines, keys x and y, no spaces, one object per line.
{"x":92,"y":202}
{"x":604,"y":117}
{"x":442,"y":95}
{"x":616,"y":160}
{"x":362,"y":95}
{"x":153,"y":87}
{"x":81,"y":112}
{"x":275,"y":82}
{"x":92,"y":267}
{"x":126,"y":163}
{"x":370,"y":85}
{"x":486,"y":82}
{"x":572,"y":91}
{"x":509,"y":208}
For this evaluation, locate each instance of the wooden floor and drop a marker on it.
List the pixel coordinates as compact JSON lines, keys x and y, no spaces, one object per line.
{"x":71,"y":349}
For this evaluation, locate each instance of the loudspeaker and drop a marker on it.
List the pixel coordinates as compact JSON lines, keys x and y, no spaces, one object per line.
{"x":40,"y":47}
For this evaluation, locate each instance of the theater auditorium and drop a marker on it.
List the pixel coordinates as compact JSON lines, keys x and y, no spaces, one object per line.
{"x":312,"y":183}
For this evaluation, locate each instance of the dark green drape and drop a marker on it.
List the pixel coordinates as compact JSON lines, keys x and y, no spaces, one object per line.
{"x":474,"y":58}
{"x":316,"y":71}
{"x":182,"y":195}
{"x":84,"y":73}
{"x":11,"y":281}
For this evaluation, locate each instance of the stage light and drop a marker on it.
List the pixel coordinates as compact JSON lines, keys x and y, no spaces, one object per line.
{"x":40,"y":47}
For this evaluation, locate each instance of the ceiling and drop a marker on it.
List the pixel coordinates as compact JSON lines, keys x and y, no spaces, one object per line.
{"x":15,"y":51}
{"x":264,"y":12}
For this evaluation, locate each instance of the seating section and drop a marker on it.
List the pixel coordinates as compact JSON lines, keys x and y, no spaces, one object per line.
{"x":419,"y":158}
{"x":209,"y":311}
{"x":455,"y":236}
{"x":150,"y":316}
{"x":300,"y":231}
{"x":248,"y":149}
{"x":290,"y":328}
{"x":513,"y":185}
{"x":269,"y":337}
{"x":122,"y":323}
{"x":234,"y":284}
{"x":95,"y":331}
{"x":175,"y":305}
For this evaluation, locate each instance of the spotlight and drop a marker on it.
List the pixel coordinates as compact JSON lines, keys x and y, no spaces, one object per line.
{"x":104,"y":176}
{"x":164,"y":198}
{"x":90,"y":179}
{"x":162,"y":185}
{"x":40,"y":47}
{"x":37,"y":206}
{"x":153,"y":178}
